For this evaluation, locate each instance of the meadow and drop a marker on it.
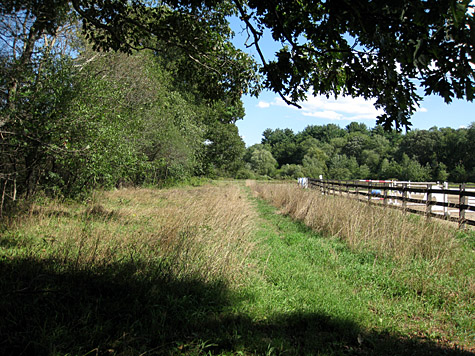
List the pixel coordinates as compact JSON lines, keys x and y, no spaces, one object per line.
{"x":232,"y":269}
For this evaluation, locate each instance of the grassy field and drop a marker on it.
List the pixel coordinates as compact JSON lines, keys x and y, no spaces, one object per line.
{"x":217,"y":270}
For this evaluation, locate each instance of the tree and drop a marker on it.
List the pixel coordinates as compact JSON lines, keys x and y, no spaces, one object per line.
{"x":282,"y":145}
{"x":342,"y":167}
{"x":372,"y":49}
{"x":357,"y":127}
{"x":364,"y":172}
{"x":389,"y":169}
{"x":323,"y":133}
{"x":412,"y":170}
{"x":371,"y":159}
{"x":470,"y":149}
{"x":129,"y":124}
{"x":421,"y":144}
{"x":314,"y":163}
{"x":292,"y":171}
{"x":72,"y":118}
{"x":459,"y":174}
{"x":454,"y":147}
{"x":355,"y":145}
{"x":263,"y":163}
{"x":224,"y":148}
{"x":440,"y":173}
{"x":195,"y":35}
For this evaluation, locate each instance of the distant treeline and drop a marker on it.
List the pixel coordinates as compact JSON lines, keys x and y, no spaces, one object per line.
{"x":358,"y":152}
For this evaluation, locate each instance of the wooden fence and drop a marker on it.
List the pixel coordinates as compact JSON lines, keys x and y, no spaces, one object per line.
{"x":427,"y":198}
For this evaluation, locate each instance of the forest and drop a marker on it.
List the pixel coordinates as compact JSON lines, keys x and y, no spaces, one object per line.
{"x":359,"y":152}
{"x":142,"y":93}
{"x":144,"y":96}
{"x":76,"y":116}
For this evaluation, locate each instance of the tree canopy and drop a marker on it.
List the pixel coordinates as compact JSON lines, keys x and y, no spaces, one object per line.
{"x":357,"y":152}
{"x":374,"y":49}
{"x":93,"y":93}
{"x":382,"y":50}
{"x":76,"y":116}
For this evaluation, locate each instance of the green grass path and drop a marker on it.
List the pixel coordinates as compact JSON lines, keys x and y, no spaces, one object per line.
{"x":316,"y":296}
{"x":300,"y":293}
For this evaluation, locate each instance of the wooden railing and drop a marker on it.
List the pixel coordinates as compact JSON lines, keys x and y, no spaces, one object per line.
{"x":427,"y":198}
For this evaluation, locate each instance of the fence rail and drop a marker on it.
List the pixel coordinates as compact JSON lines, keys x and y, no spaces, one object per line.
{"x":427,"y":198}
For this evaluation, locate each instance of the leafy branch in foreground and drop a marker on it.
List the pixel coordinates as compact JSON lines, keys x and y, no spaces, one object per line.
{"x":379,"y":50}
{"x":373,"y":49}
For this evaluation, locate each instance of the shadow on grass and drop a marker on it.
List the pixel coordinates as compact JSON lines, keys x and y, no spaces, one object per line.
{"x":125,"y":309}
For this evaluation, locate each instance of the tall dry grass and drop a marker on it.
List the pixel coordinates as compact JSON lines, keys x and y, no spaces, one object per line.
{"x":387,"y":232}
{"x":189,"y":232}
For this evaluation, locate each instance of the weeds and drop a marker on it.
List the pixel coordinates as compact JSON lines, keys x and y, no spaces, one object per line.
{"x":388,"y":232}
{"x":210,"y":271}
{"x":194,"y":228}
{"x":100,"y":278}
{"x":423,"y":260}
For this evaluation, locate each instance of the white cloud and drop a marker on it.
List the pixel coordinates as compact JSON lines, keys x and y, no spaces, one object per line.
{"x":347,"y":105}
{"x":421,"y":109}
{"x":343,"y":108}
{"x":331,"y":115}
{"x":263,"y":104}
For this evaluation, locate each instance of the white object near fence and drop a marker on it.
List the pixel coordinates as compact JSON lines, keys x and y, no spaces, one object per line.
{"x":440,"y":198}
{"x":303,"y":182}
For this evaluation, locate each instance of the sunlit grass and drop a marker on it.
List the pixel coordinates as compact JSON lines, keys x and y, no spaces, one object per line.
{"x":130,"y":271}
{"x":212,"y":271}
{"x":387,"y":232}
{"x":198,"y":232}
{"x":407,"y":258}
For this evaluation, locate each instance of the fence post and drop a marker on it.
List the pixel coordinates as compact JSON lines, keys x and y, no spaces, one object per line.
{"x":462,"y":204}
{"x":446,"y":200}
{"x":385,"y":196}
{"x":429,"y":200}
{"x":404,"y":196}
{"x":357,"y":193}
{"x":369,"y":191}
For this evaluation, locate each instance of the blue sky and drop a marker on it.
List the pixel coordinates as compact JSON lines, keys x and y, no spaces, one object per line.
{"x":269,"y":110}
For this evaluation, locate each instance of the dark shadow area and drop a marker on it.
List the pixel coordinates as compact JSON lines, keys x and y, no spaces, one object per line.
{"x":120,"y":309}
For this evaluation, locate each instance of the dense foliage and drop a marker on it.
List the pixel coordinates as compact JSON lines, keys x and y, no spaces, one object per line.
{"x":104,"y":93}
{"x":357,"y":152}
{"x":73,"y":118}
{"x":107,"y":119}
{"x":375,"y":49}
{"x":370,"y":48}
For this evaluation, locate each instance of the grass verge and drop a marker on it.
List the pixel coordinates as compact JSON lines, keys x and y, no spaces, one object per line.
{"x":205,"y":271}
{"x":405,"y":286}
{"x":134,"y":271}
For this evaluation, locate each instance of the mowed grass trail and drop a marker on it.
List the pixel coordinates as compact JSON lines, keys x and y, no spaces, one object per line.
{"x":420,"y":304}
{"x":206,"y":271}
{"x":335,"y":300}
